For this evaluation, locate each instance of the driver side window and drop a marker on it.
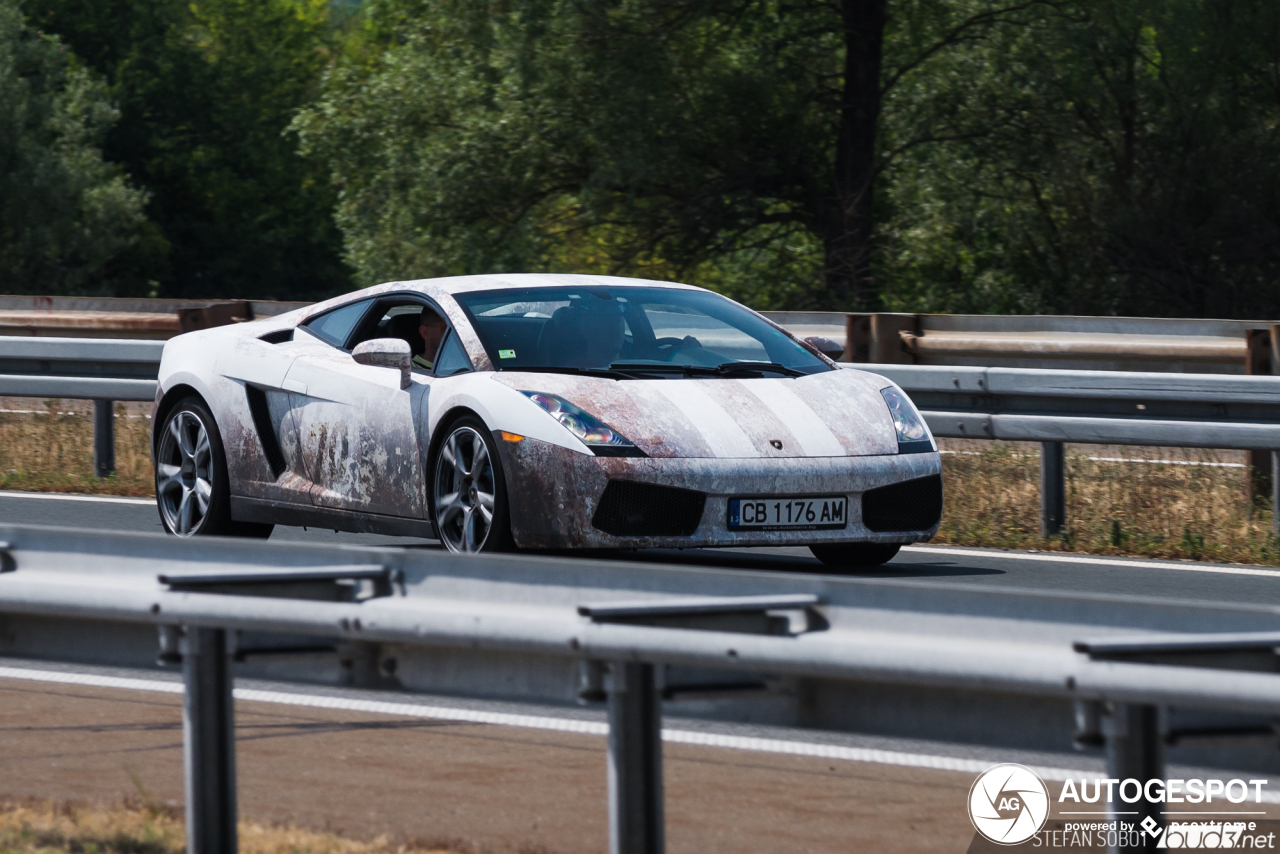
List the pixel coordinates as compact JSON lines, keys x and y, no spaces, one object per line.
{"x":413,"y":321}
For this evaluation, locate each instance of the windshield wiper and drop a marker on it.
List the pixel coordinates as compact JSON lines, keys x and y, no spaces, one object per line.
{"x":564,"y":369}
{"x":724,"y":369}
{"x":656,"y":367}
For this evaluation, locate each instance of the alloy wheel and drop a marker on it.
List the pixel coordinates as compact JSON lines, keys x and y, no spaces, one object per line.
{"x":184,"y":473}
{"x":464,"y":491}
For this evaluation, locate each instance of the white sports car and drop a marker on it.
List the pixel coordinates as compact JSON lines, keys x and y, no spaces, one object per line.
{"x":540,"y":412}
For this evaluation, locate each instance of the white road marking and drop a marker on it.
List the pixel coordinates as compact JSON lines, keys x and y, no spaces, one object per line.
{"x":46,"y":412}
{"x":1053,"y":557}
{"x":63,"y":496}
{"x":874,"y":756}
{"x":1166,"y":462}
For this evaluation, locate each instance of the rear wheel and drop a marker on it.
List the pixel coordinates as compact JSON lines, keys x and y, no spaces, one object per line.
{"x":193,"y":492}
{"x":854,"y":555}
{"x":468,"y":491}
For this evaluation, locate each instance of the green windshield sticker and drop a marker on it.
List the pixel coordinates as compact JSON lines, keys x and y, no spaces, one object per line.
{"x":506,"y":354}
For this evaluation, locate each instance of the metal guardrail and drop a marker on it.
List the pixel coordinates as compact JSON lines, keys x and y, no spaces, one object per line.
{"x":1095,"y":407}
{"x":1030,"y":405}
{"x":103,"y":371}
{"x":621,"y":623}
{"x":91,"y":353}
{"x":114,"y":317}
{"x":1043,"y":341}
{"x":1048,"y":341}
{"x":1187,"y":410}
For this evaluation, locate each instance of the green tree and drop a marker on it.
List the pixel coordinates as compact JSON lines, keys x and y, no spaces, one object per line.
{"x":206,"y":92}
{"x":64,"y":213}
{"x":711,"y":140}
{"x":1108,"y":157}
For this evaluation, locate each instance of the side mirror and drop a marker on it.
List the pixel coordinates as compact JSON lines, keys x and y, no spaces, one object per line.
{"x":826,"y":347}
{"x":386,"y":353}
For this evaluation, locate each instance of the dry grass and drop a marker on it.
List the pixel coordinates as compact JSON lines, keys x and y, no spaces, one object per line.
{"x":1193,"y":505}
{"x":1159,"y":502}
{"x":47,"y":445}
{"x":140,"y":827}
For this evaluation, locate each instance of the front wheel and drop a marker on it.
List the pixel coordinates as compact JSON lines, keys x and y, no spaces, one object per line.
{"x":192,"y":488}
{"x":468,"y":492}
{"x":854,"y":555}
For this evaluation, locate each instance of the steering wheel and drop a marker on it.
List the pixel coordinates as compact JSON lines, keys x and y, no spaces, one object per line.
{"x":675,"y":344}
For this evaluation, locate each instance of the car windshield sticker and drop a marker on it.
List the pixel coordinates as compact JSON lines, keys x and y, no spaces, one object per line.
{"x":506,"y":354}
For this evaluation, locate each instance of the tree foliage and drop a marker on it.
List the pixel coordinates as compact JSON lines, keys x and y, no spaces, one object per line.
{"x":1048,"y":155}
{"x":65,"y":214}
{"x":730,"y":142}
{"x":545,"y":135}
{"x":1082,"y":156}
{"x":1110,"y":157}
{"x":206,"y":92}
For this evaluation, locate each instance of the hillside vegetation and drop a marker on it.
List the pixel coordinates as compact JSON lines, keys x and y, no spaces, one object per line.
{"x":1054,"y":156}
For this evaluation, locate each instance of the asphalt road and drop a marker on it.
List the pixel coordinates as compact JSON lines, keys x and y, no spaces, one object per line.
{"x":526,"y":779}
{"x":982,"y":567}
{"x":467,"y":786}
{"x":515,"y":787}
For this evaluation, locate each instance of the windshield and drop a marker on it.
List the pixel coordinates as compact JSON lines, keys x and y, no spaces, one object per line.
{"x":631,"y":331}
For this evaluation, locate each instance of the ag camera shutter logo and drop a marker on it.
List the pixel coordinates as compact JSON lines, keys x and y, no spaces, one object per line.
{"x":1008,"y":804}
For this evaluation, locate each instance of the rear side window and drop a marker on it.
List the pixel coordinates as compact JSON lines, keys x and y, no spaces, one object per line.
{"x":335,"y":326}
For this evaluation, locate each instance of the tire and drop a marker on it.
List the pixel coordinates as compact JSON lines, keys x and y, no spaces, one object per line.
{"x":250,"y":530}
{"x":193,"y":492}
{"x":469,"y":492}
{"x":855,"y":555}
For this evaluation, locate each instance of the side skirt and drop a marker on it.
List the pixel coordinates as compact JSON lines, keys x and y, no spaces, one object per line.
{"x":283,"y":513}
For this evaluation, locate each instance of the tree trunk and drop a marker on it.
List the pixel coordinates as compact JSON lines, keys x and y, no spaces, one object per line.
{"x":846,"y":224}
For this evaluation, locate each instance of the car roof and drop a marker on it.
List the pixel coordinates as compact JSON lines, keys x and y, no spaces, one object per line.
{"x":501,"y":281}
{"x":455,"y":285}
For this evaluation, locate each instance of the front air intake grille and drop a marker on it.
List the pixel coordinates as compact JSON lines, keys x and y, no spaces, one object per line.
{"x":630,"y":509}
{"x":913,"y":505}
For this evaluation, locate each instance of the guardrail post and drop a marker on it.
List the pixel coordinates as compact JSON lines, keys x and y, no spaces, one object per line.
{"x":104,"y":437}
{"x":208,"y":743}
{"x":635,"y":761}
{"x":1275,"y":493}
{"x":1134,"y":752}
{"x":1053,"y":488}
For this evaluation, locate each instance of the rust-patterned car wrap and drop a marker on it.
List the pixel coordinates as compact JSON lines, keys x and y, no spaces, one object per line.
{"x":306,"y":428}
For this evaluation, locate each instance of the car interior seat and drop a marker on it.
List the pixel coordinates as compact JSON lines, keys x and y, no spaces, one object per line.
{"x":561,"y":341}
{"x":580,"y":337}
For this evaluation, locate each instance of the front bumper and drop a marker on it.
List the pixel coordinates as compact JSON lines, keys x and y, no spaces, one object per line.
{"x":554,"y":493}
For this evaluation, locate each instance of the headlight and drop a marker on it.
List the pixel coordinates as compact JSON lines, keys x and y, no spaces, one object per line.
{"x":906,"y":420}
{"x":588,"y":428}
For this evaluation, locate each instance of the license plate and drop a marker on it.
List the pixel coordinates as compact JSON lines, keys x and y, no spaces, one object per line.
{"x":800,"y":513}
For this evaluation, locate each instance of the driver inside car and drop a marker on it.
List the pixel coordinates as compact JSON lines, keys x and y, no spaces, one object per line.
{"x":432,"y":328}
{"x":604,"y":333}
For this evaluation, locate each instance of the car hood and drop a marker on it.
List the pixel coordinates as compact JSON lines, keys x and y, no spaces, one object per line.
{"x":830,"y":414}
